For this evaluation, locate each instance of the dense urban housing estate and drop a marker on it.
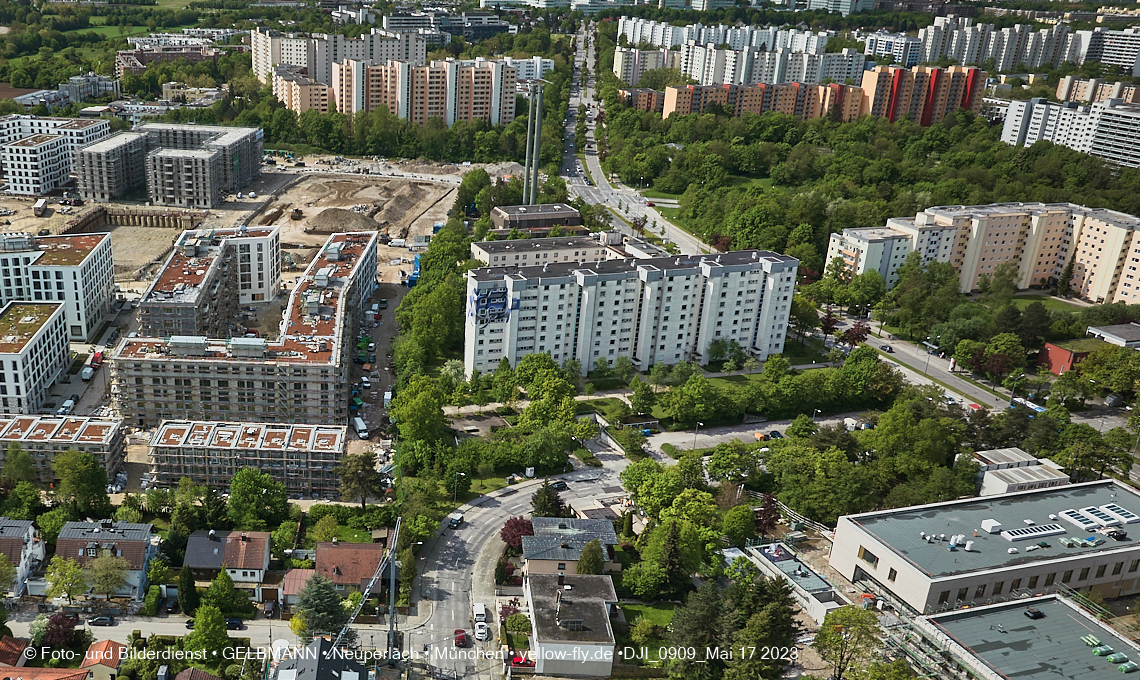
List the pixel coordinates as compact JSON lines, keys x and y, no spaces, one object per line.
{"x":300,"y":377}
{"x":653,"y":310}
{"x":1109,"y":129}
{"x":37,"y":152}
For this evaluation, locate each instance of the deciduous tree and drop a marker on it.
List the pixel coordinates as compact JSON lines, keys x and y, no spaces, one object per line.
{"x":513,"y":531}
{"x":848,"y":640}
{"x":257,"y":500}
{"x":65,"y":578}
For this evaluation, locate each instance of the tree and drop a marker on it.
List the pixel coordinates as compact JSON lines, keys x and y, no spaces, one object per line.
{"x":319,"y":606}
{"x":867,"y":290}
{"x":848,"y":639}
{"x":108,"y":574}
{"x":739,"y":524}
{"x":158,"y":569}
{"x":645,"y":580}
{"x":856,"y":334}
{"x":223,"y":595}
{"x":513,"y":531}
{"x":283,"y":538}
{"x":591,"y":561}
{"x":546,"y":502}
{"x":7,"y":574}
{"x":18,"y":465}
{"x":894,"y":670}
{"x":326,"y":529}
{"x":418,"y":409}
{"x":82,"y":483}
{"x":801,"y":428}
{"x":696,"y":626}
{"x":257,"y":500}
{"x":1065,"y":280}
{"x":65,"y":578}
{"x":188,"y":598}
{"x":24,"y":502}
{"x":209,"y":635}
{"x":60,"y":631}
{"x":359,"y":478}
{"x":623,"y":369}
{"x":37,"y":629}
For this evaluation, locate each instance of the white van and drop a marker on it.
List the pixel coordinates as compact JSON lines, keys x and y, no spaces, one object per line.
{"x":397,"y":243}
{"x":360,"y":427}
{"x":67,"y":408}
{"x":479,"y":612}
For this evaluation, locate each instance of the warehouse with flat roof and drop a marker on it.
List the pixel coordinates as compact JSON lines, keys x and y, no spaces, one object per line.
{"x":980,"y":550}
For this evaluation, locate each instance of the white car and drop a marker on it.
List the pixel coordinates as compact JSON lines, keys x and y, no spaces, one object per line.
{"x":482,"y":631}
{"x":365,"y":382}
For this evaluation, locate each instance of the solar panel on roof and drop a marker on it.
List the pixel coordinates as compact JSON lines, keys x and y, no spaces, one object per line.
{"x":1074,"y":517}
{"x":1038,"y":531}
{"x":1126,"y":516}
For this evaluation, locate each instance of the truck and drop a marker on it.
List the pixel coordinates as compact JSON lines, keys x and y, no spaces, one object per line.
{"x":40,"y":207}
{"x":388,"y":399}
{"x":67,"y":408}
{"x":87,"y":373}
{"x":360,"y":427}
{"x":96,"y":360}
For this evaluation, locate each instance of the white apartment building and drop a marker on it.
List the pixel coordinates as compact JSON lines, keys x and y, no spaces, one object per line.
{"x":710,"y":65}
{"x":1116,"y":47}
{"x":1108,"y":129}
{"x":35,"y":165}
{"x":770,"y":38}
{"x":630,"y":63}
{"x":971,"y":552}
{"x":906,"y":50}
{"x":33,"y":353}
{"x":961,"y":39}
{"x":302,"y":457}
{"x":45,"y":437}
{"x":881,"y":249}
{"x":843,"y":7}
{"x":74,"y":269}
{"x":660,"y":310}
{"x":21,"y":543}
{"x":530,"y":69}
{"x":318,"y":53}
{"x":525,"y":252}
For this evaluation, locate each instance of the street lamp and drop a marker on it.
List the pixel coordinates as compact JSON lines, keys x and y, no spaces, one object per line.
{"x":1013,"y":390}
{"x":926,"y":370}
{"x":455,"y":488}
{"x":814,"y":413}
{"x":699,"y":423}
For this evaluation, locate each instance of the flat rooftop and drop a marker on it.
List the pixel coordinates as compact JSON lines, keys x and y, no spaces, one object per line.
{"x":1008,"y":456}
{"x":1111,"y":216}
{"x":900,"y":529}
{"x":1028,"y":474}
{"x":34,"y":140}
{"x":1002,"y":638}
{"x":585,"y":602}
{"x":541,"y":209}
{"x":781,"y":557}
{"x":251,"y":436}
{"x":114,"y":141}
{"x":519,"y":245}
{"x":68,"y":250}
{"x":59,"y":430}
{"x":875,"y":233}
{"x":556,"y":270}
{"x":20,"y":321}
{"x":1127,"y":332}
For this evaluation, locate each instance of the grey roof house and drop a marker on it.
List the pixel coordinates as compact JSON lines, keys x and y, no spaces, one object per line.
{"x":557,"y":544}
{"x":318,"y":661}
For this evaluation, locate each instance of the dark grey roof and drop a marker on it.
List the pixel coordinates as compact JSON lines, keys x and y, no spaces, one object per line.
{"x":319,"y":661}
{"x":204,"y":553}
{"x":578,"y":614}
{"x":14,"y":528}
{"x":529,"y":244}
{"x":625,"y":266}
{"x":1127,"y":332}
{"x":903,"y":529}
{"x":89,"y":530}
{"x":1015,"y":646}
{"x":543,"y":209}
{"x":563,"y":539}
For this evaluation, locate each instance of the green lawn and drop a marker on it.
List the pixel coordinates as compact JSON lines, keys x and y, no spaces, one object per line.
{"x":660,"y":614}
{"x":599,"y":405}
{"x":113,"y":31}
{"x":672,"y":214}
{"x":1051,"y":303}
{"x":742,"y":182}
{"x":653,"y":193}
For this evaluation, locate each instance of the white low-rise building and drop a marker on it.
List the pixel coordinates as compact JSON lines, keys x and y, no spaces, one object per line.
{"x":975,"y":551}
{"x":22,"y":544}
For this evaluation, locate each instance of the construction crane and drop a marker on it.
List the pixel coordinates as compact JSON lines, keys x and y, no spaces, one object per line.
{"x":388,"y":561}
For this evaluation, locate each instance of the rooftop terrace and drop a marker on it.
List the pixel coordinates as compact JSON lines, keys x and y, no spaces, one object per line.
{"x":251,"y":436}
{"x":58,"y":430}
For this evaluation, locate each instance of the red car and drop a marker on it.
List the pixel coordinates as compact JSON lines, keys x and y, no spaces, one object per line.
{"x":460,"y":637}
{"x":650,"y":204}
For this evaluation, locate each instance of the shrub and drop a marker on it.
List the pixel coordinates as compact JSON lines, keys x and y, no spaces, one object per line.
{"x":150,"y":604}
{"x":643,"y":631}
{"x":518,"y":623}
{"x":588,"y":458}
{"x":589,"y":388}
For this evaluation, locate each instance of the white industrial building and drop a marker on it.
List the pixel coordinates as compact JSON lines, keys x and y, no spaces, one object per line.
{"x":33,"y":353}
{"x":1008,"y":470}
{"x":975,"y":551}
{"x":660,"y":309}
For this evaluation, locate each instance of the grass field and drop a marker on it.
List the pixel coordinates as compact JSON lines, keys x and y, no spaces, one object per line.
{"x":734,"y":181}
{"x":113,"y":31}
{"x":1051,"y":303}
{"x":653,"y":193}
{"x":660,"y":614}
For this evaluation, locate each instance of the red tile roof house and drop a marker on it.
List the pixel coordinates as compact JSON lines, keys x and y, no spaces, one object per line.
{"x":12,"y":651}
{"x":29,"y":673}
{"x":295,"y":580}
{"x":103,"y":658}
{"x":349,"y":566}
{"x":243,"y":554}
{"x":21,"y":543}
{"x":84,"y":541}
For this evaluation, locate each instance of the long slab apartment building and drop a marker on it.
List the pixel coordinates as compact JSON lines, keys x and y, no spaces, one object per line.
{"x":652,"y":309}
{"x":1038,"y":238}
{"x":37,"y":151}
{"x":303,"y":457}
{"x":184,"y":166}
{"x":45,"y":437}
{"x":300,"y":377}
{"x":208,"y":274}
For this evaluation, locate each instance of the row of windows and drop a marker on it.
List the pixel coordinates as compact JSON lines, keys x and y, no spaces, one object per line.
{"x":1032,"y":582}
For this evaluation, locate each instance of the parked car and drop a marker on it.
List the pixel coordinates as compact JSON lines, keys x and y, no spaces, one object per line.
{"x":775,"y":434}
{"x":887,"y":348}
{"x":371,"y":347}
{"x":558,"y":485}
{"x":651,"y":204}
{"x":171,"y":605}
{"x":189,"y":624}
{"x":482,"y":631}
{"x":101,"y":621}
{"x":233,"y":624}
{"x":365,"y":382}
{"x":460,"y":637}
{"x":372,"y":358}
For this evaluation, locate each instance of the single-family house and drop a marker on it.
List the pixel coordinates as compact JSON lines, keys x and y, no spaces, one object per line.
{"x":350,"y":566}
{"x":196,"y":674}
{"x":294,"y":583}
{"x":12,"y":652}
{"x":103,"y":658}
{"x":557,"y":544}
{"x":21,"y":543}
{"x":319,"y":660}
{"x":571,"y":630}
{"x":243,"y":554}
{"x":86,"y":541}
